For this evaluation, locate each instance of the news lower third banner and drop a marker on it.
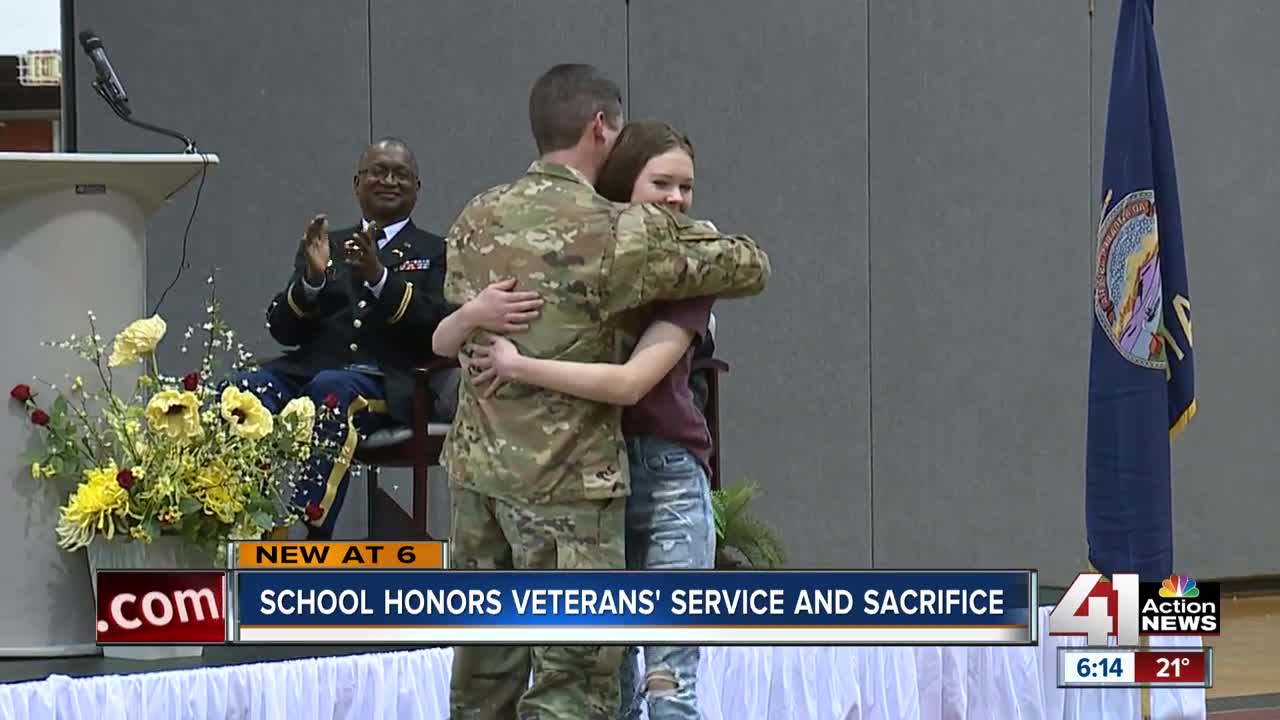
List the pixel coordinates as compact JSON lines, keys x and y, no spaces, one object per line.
{"x":465,"y":607}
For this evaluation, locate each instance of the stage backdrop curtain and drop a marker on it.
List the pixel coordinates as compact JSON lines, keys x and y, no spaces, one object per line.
{"x":735,"y":683}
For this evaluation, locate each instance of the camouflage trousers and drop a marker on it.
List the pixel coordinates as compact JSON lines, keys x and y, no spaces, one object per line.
{"x":492,"y":682}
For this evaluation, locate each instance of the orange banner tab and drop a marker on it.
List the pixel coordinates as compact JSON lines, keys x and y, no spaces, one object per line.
{"x":284,"y":555}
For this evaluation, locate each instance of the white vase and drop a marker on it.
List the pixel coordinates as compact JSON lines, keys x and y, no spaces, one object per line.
{"x":164,"y":553}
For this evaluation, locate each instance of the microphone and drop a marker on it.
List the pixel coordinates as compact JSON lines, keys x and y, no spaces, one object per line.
{"x":109,"y":88}
{"x":107,"y":84}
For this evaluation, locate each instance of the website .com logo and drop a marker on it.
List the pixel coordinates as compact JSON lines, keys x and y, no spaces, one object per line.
{"x":148,"y":607}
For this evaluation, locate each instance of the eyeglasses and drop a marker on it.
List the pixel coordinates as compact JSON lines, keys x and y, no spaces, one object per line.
{"x":400,"y":177}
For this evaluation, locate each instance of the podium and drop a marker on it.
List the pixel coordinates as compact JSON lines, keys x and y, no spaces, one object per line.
{"x":72,"y":239}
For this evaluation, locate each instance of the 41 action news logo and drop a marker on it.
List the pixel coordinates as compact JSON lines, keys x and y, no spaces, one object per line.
{"x":1126,"y":609}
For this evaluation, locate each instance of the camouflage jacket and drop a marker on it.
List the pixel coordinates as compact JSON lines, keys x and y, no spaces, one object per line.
{"x":592,"y":260}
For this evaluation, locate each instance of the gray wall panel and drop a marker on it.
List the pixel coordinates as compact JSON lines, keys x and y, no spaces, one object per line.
{"x":1216,"y":67}
{"x":775,"y":102}
{"x":452,"y":77}
{"x":979,"y":282}
{"x":281,"y":97}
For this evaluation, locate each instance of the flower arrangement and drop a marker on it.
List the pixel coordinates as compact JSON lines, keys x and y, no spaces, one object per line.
{"x":178,"y":455}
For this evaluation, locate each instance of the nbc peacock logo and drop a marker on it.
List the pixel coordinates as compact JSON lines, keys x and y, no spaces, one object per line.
{"x":1179,"y":586}
{"x":1178,"y":605}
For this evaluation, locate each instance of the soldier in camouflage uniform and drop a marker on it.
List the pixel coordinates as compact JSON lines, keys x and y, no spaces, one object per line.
{"x":539,"y":479}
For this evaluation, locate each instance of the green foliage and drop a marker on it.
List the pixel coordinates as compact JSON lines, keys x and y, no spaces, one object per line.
{"x":741,"y":533}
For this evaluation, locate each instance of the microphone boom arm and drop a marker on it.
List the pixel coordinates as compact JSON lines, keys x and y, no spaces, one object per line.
{"x":125,"y":116}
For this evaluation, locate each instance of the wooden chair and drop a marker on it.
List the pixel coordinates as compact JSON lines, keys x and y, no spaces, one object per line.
{"x":712,"y":368}
{"x":416,"y":446}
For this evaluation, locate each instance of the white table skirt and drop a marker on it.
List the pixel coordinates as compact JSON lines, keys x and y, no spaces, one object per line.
{"x":735,"y":683}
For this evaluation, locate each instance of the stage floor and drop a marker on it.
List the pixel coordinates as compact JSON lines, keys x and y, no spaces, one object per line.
{"x":1246,"y":659}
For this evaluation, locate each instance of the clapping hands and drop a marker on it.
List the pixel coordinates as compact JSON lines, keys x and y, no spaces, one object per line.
{"x":315,"y":249}
{"x":361,"y":254}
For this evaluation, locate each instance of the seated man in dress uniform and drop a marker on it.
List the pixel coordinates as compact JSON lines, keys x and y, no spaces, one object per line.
{"x":358,"y":313}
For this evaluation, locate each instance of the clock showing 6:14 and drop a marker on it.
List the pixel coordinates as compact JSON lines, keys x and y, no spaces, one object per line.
{"x":1100,"y":667}
{"x":1095,"y":667}
{"x":1136,"y":667}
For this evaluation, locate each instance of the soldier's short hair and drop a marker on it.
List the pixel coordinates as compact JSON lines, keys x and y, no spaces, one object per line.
{"x":563,"y":101}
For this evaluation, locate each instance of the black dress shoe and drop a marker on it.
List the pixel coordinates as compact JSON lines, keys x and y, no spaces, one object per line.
{"x":319,"y":534}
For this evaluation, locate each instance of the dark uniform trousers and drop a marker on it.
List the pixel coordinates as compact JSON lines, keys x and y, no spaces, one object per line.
{"x":359,"y":407}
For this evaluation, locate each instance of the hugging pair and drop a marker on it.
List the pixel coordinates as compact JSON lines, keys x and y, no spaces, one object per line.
{"x":583,"y":291}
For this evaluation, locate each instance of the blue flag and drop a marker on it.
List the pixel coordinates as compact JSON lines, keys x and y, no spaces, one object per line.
{"x":1141,"y":372}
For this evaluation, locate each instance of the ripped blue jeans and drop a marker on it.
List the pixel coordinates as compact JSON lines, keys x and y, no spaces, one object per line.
{"x":669,"y":525}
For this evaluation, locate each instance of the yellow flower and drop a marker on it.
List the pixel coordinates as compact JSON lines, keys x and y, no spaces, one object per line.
{"x":222,"y":501}
{"x":176,"y":414}
{"x":78,"y":384}
{"x":303,"y":413}
{"x":38,"y":471}
{"x":137,"y":341}
{"x":163,"y":486}
{"x":218,"y":493}
{"x":248,"y":417}
{"x":94,"y":506}
{"x":133,"y":431}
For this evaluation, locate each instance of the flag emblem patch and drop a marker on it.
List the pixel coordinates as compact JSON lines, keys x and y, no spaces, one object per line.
{"x":1127,"y":285}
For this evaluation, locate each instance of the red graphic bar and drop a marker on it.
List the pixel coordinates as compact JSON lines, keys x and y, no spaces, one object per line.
{"x":1169,"y":666}
{"x":172,"y":607}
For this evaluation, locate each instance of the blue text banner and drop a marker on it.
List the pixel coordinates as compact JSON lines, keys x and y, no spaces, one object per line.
{"x":606,"y":607}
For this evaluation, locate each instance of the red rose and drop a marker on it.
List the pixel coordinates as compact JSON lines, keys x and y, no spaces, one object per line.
{"x":21,"y":392}
{"x":313,"y":511}
{"x":40,"y":417}
{"x":125,"y":479}
{"x":331,"y":400}
{"x":191,"y":381}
